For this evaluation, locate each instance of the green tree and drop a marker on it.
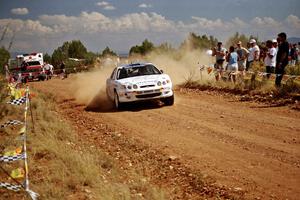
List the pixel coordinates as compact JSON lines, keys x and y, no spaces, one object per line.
{"x":236,"y":38}
{"x":108,"y":52}
{"x":73,"y":49}
{"x":134,"y":50}
{"x":195,"y":41}
{"x":4,"y":57}
{"x":143,"y":49}
{"x":47,"y":58}
{"x":90,"y":58}
{"x":76,"y":49}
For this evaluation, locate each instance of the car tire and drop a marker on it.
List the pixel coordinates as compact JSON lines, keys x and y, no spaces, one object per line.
{"x":168,"y":101}
{"x":118,"y":105}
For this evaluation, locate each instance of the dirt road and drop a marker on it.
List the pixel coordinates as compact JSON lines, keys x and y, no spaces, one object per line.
{"x":244,"y":146}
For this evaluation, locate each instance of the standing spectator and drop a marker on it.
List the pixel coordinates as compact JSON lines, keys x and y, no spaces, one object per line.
{"x":51,"y":70}
{"x":242,"y":57}
{"x":275,"y":44}
{"x":253,"y":53}
{"x":270,"y":59}
{"x":232,"y":67}
{"x":7,"y":73}
{"x":294,"y":54}
{"x":281,"y":58}
{"x":220,"y":52}
{"x":63,"y":70}
{"x":47,"y":70}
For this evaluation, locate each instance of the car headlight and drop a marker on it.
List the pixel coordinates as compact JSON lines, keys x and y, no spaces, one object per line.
{"x":159,"y":83}
{"x":129,"y":87}
{"x":135,"y":86}
{"x":164,"y":83}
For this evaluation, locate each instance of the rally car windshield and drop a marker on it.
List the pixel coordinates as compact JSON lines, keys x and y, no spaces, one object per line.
{"x":138,"y":71}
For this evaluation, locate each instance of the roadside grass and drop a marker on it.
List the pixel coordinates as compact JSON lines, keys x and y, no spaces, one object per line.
{"x":63,"y":167}
{"x":252,"y":85}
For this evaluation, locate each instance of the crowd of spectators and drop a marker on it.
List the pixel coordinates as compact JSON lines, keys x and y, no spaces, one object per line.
{"x":276,"y":54}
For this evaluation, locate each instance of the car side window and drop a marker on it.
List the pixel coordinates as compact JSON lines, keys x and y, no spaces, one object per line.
{"x":122,"y":73}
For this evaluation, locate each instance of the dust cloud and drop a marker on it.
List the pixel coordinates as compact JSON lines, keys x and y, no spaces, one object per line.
{"x":89,"y":87}
{"x":182,"y":65}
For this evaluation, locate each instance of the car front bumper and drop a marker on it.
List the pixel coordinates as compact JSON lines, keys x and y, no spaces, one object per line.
{"x":145,"y":94}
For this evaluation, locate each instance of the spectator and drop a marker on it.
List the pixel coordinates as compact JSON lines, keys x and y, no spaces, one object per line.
{"x":220,"y":53}
{"x":281,"y":57}
{"x":270,"y":59}
{"x":48,"y":70}
{"x":294,"y":54}
{"x":275,"y":44}
{"x":263,"y":51}
{"x":253,"y":54}
{"x":7,"y":73}
{"x":232,"y":67}
{"x":63,"y":70}
{"x":242,"y":57}
{"x":51,"y":70}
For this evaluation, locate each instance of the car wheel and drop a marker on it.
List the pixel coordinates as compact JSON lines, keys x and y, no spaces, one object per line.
{"x":169,"y":101}
{"x":117,"y":103}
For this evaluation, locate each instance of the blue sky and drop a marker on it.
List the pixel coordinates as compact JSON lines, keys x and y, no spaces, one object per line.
{"x":45,"y":24}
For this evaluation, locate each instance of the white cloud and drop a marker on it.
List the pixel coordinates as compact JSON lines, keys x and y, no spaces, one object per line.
{"x":102,"y":3}
{"x":19,"y":11}
{"x":143,"y":5}
{"x":293,"y":21}
{"x":265,"y":22}
{"x":129,"y":29}
{"x":106,"y":5}
{"x":109,"y":7}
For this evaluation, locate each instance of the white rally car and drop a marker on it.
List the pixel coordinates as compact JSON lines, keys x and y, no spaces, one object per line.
{"x":139,"y":82}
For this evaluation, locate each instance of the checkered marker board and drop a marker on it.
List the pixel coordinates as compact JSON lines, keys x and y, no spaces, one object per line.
{"x":12,"y":158}
{"x":9,"y":186}
{"x":11,"y":123}
{"x":20,"y":101}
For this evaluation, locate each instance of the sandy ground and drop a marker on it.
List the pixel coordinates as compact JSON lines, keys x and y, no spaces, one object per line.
{"x":244,"y":146}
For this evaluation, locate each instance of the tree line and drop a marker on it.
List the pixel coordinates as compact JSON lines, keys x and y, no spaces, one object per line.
{"x":76,"y":49}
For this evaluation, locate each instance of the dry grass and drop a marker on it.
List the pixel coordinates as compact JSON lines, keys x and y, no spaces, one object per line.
{"x":62,"y":167}
{"x":252,"y":85}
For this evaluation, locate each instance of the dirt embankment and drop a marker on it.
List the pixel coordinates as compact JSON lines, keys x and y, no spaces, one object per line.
{"x":249,"y":149}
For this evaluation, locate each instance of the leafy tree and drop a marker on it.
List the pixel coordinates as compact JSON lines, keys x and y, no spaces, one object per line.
{"x":76,"y":49}
{"x":236,"y":38}
{"x":73,"y":49}
{"x":143,"y":49}
{"x":108,"y":52}
{"x":195,"y":41}
{"x":47,"y":58}
{"x":4,"y":56}
{"x":90,"y":57}
{"x":134,"y":50}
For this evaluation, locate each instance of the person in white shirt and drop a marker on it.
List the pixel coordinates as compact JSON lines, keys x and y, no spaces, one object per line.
{"x":220,"y":52}
{"x":48,"y":70}
{"x":270,"y":59}
{"x":254,"y":52}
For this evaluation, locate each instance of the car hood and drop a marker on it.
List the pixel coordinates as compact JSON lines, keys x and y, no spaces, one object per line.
{"x":141,"y":80}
